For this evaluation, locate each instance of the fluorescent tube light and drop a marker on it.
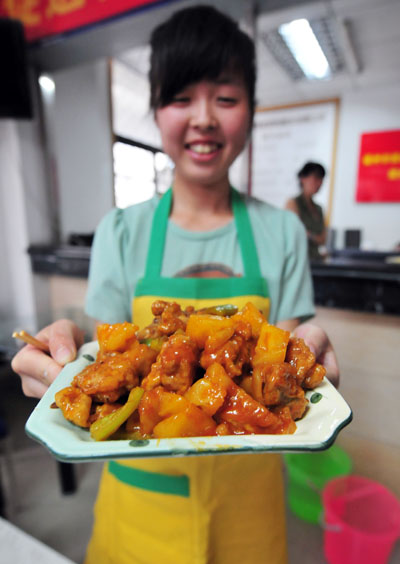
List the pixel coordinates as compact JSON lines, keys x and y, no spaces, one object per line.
{"x":47,"y":84}
{"x":301,"y":41}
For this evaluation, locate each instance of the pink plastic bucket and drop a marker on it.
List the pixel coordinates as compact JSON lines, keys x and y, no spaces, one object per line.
{"x":361,"y":519}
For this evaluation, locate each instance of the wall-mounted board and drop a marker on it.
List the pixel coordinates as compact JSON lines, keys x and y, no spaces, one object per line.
{"x":284,"y":138}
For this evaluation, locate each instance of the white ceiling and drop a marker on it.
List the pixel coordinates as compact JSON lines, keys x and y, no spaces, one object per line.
{"x":374,"y":31}
{"x":375,"y":34}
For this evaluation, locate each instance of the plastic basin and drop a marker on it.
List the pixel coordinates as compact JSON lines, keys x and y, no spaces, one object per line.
{"x":307,"y":475}
{"x":362,"y":521}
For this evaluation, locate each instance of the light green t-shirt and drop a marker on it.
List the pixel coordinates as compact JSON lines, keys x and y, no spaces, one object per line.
{"x":120,"y":249}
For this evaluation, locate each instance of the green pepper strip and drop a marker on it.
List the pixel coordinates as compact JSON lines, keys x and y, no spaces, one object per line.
{"x":224,"y":310}
{"x":109,"y":424}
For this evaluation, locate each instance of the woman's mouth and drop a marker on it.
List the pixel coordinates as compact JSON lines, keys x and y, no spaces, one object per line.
{"x":203,"y":148}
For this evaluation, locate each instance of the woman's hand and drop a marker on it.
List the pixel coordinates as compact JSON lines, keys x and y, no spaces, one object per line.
{"x":38,"y":369}
{"x":319,"y":343}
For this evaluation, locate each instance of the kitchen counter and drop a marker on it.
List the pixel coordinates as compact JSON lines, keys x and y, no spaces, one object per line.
{"x":349,"y":279}
{"x":358,"y":281}
{"x":62,"y":260}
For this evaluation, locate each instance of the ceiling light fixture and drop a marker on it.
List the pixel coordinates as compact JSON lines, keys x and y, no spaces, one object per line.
{"x":303,"y":44}
{"x":47,"y":84}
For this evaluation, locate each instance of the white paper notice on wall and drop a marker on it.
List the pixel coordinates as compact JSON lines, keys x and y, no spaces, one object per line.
{"x":284,"y":139}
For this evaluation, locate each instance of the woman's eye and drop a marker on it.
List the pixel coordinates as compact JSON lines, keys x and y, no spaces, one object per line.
{"x":227,"y":100}
{"x":180,"y":100}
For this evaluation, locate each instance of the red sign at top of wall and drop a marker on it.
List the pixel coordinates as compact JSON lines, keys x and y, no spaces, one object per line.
{"x":44,"y":18}
{"x":379,"y":167}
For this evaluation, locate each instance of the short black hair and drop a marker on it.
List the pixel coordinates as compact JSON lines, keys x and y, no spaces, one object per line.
{"x":311,"y":168}
{"x":194,"y":44}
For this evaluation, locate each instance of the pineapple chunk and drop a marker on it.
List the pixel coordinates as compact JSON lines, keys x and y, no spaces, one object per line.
{"x":271,"y":345}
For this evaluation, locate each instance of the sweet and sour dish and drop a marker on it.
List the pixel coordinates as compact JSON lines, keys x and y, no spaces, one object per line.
{"x":216,"y":371}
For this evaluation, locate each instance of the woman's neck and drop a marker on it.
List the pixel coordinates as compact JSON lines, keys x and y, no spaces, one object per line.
{"x":198,"y":207}
{"x":308,"y":199}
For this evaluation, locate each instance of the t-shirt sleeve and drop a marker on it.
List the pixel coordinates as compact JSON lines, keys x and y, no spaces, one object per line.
{"x":108,"y":298}
{"x":297,"y":296}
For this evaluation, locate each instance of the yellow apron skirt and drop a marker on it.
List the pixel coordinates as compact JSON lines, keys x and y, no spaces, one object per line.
{"x":222,"y":509}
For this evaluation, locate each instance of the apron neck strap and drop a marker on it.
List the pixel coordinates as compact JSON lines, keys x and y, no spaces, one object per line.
{"x":157,"y":236}
{"x":247,"y":244}
{"x":242,"y":221}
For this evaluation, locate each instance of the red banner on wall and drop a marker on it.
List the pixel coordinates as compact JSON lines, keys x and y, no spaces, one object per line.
{"x":379,"y":167}
{"x":45,"y":18}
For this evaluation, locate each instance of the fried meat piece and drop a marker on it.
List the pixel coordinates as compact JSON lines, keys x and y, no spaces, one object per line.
{"x":106,"y":380}
{"x":309,"y":373}
{"x":287,"y":425}
{"x":75,"y":405}
{"x":300,"y":357}
{"x":245,"y":414}
{"x":314,"y":377}
{"x":175,"y":366}
{"x":231,"y":355}
{"x":297,"y":407}
{"x":168,"y":319}
{"x":277,"y":385}
{"x":141,"y":357}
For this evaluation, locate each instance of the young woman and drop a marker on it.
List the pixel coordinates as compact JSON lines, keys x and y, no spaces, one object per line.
{"x":310,"y":178}
{"x":201,"y":243}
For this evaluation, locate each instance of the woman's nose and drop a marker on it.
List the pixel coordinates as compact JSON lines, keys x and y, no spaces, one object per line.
{"x":203,"y":116}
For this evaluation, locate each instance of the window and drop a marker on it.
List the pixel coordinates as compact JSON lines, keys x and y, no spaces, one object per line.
{"x":140,"y":171}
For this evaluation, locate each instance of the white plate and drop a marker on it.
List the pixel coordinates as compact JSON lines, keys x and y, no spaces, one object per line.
{"x":316,"y":431}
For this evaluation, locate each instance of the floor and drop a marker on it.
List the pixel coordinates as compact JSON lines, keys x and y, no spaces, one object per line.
{"x":35,"y":503}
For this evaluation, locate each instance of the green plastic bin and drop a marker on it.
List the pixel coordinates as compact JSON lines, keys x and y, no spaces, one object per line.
{"x":307,"y":474}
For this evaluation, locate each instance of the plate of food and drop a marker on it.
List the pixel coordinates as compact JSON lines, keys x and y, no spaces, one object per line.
{"x":214,"y":381}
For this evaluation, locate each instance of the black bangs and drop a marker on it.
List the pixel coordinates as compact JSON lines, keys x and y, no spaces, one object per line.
{"x":196,"y":44}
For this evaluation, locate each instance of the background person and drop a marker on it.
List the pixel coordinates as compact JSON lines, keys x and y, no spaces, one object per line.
{"x":311,"y":214}
{"x":201,"y":243}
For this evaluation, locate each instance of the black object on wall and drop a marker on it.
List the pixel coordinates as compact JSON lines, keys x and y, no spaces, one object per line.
{"x":352,"y":238}
{"x":15,"y":94}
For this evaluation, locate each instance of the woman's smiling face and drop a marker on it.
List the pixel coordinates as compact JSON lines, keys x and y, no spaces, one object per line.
{"x":311,"y":184}
{"x":204,"y":128}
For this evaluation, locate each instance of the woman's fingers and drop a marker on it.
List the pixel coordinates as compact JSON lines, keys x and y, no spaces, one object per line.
{"x":33,"y":388}
{"x":319,"y":343}
{"x":38,"y":369}
{"x":329,"y":360}
{"x":64,"y":339}
{"x":33,"y":363}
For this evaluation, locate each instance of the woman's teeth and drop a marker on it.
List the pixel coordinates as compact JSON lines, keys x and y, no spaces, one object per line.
{"x":204,"y":148}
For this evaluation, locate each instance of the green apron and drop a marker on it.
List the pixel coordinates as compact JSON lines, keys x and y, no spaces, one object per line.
{"x":223,"y":509}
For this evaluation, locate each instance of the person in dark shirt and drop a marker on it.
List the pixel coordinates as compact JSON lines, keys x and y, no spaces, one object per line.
{"x":311,"y":214}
